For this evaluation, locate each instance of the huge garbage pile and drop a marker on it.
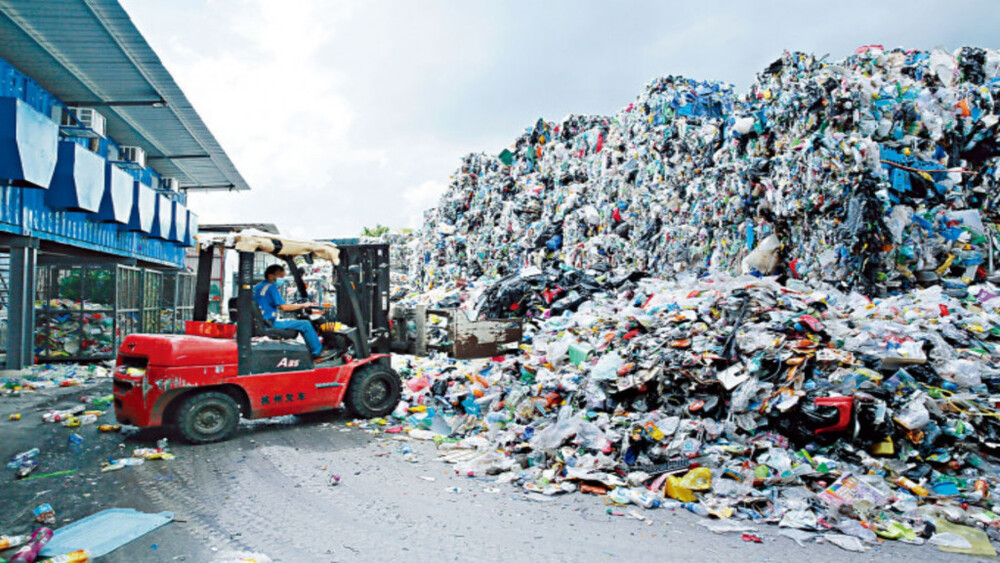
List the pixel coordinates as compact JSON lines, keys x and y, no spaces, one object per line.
{"x":774,"y":307}
{"x":811,"y":409}
{"x":874,"y":172}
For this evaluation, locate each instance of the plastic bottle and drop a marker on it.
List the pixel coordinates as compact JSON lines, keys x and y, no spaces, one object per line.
{"x":102,"y":402}
{"x":88,"y":419}
{"x":496,"y":418}
{"x":7,"y":542}
{"x":29,"y":552}
{"x":977,"y":461}
{"x":26,"y":468}
{"x":75,"y":443}
{"x":71,"y":422}
{"x":696,"y":508}
{"x":22,"y":458}
{"x":914,"y":488}
{"x":59,"y":416}
{"x":78,"y":556}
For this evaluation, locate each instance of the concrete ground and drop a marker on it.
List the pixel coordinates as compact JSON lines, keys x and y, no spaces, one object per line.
{"x":268,"y":492}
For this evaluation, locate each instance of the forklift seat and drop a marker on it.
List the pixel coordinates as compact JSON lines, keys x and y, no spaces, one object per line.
{"x":260,"y":326}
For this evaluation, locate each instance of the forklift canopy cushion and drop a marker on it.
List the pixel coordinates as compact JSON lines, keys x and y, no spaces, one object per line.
{"x":256,"y":241}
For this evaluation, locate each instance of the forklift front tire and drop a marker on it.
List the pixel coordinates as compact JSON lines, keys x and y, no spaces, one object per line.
{"x":374,"y":391}
{"x":206,"y":417}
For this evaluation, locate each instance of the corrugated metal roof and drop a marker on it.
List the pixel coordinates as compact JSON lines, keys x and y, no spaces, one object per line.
{"x":89,"y":52}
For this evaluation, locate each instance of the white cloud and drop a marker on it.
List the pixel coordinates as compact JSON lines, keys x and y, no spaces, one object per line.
{"x":420,"y":197}
{"x":280,"y":115}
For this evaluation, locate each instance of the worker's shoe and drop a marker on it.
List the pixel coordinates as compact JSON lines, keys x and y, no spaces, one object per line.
{"x":324,"y":356}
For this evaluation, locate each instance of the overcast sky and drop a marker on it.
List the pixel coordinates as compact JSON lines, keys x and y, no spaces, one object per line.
{"x":351,"y":113}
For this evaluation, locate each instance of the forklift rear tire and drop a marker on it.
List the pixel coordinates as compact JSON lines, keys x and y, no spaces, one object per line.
{"x":206,"y":417}
{"x":374,"y":391}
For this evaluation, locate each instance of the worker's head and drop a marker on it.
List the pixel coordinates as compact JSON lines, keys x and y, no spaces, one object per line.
{"x":274,"y":272}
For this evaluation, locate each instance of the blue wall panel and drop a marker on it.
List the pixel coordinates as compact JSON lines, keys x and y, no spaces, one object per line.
{"x":119,"y":193}
{"x":28,"y":144}
{"x":143,"y":215}
{"x":178,"y":227}
{"x":78,"y":184}
{"x":192,"y":228}
{"x":164,"y":217}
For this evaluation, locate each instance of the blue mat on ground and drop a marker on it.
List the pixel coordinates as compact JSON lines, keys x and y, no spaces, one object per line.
{"x":105,"y":531}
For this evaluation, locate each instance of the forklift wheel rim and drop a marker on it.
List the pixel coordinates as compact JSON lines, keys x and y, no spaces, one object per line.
{"x":209,"y":419}
{"x":376,"y":393}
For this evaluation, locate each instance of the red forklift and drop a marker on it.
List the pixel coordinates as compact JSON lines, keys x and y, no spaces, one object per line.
{"x":203,"y":381}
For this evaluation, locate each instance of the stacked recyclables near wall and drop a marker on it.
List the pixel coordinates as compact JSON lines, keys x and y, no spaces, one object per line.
{"x":789,"y":288}
{"x":75,"y":329}
{"x":47,"y":376}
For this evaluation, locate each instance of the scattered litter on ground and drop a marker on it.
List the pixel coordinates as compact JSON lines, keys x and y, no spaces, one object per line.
{"x":242,"y":557}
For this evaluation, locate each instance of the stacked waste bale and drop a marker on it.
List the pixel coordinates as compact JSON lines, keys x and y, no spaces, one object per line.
{"x":876,"y":172}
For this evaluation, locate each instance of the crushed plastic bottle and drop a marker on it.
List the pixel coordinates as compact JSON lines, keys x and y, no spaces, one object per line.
{"x":78,"y":556}
{"x":29,"y":552}
{"x":7,"y":542}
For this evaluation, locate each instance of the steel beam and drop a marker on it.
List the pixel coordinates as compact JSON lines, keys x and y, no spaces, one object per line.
{"x":21,"y":317}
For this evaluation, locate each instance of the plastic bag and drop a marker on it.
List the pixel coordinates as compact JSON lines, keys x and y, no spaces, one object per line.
{"x":606,"y":369}
{"x":764,"y":258}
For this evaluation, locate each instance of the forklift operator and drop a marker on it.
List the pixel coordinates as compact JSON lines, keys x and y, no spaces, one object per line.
{"x":269,"y":300}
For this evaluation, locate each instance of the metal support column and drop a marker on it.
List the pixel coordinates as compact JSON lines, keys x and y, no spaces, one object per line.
{"x":244,"y":324}
{"x":21,"y":317}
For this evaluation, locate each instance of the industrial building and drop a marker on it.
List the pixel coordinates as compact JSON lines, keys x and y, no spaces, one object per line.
{"x":99,"y":149}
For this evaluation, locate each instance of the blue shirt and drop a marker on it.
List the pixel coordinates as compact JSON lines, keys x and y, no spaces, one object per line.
{"x":268,"y":298}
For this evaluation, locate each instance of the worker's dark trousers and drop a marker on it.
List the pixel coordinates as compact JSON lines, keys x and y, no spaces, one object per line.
{"x":308,"y":332}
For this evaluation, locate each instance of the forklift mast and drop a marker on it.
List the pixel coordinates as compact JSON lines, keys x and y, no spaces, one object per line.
{"x":203,"y":282}
{"x":363,"y":276}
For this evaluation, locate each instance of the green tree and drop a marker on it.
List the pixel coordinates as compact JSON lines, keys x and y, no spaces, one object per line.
{"x":375,"y":232}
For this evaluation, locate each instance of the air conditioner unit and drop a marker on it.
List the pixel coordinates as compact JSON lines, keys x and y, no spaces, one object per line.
{"x":170,"y":184}
{"x":132,"y":157}
{"x":82,"y":122}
